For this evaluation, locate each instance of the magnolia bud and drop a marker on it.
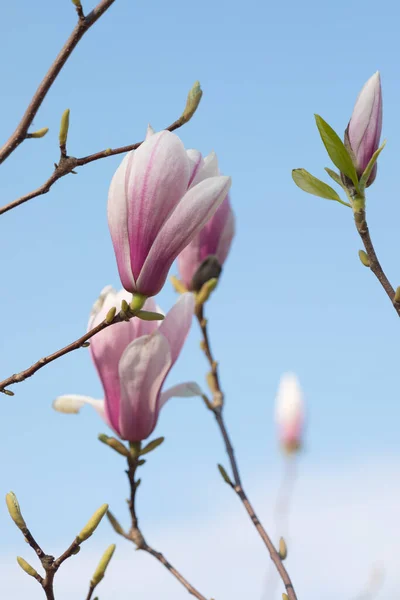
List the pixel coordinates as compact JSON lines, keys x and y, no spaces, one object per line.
{"x":93,"y":523}
{"x":64,"y":126}
{"x":192,"y":102}
{"x":15,"y":511}
{"x":209,"y":269}
{"x":25,"y":566}
{"x":102,"y":566}
{"x":364,"y":129}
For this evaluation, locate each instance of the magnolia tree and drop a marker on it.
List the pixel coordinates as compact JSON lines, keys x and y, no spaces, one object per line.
{"x":166,"y":202}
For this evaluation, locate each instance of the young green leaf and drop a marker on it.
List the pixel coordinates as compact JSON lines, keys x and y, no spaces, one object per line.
{"x":370,"y":166}
{"x":310,"y":184}
{"x":336,"y":177}
{"x":336,"y":150}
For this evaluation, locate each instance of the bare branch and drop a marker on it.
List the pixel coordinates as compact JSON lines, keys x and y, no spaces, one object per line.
{"x":67,"y":164}
{"x":374,"y":264}
{"x":83,"y":25}
{"x":217,"y":408}
{"x":135,"y":534}
{"x":18,"y":377}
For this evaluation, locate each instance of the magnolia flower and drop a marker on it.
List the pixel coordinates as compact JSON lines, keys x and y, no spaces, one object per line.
{"x":133,"y":358}
{"x":203,"y":258}
{"x":153,"y":215}
{"x":290,"y":413}
{"x":364,"y":129}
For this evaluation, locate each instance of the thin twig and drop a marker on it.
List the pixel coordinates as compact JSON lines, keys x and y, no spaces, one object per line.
{"x":90,"y":591}
{"x":67,"y":164}
{"x":217,"y":408}
{"x":18,"y":377}
{"x":49,"y":563}
{"x":83,"y":25}
{"x":374,"y":264}
{"x":135,"y":535}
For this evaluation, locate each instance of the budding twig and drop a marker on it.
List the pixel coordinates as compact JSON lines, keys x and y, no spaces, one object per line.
{"x":79,"y":343}
{"x":374,"y":264}
{"x":78,"y":32}
{"x":216,"y":406}
{"x":49,"y":563}
{"x":67,"y":164}
{"x":135,"y":534}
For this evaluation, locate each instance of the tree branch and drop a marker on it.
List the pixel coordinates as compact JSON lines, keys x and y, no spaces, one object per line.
{"x":18,"y":377}
{"x":135,"y":534}
{"x":374,"y":264}
{"x":217,"y":408}
{"x":67,"y":164}
{"x":83,"y":25}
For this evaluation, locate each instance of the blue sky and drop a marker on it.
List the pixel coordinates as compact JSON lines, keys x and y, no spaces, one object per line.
{"x":293,"y":296}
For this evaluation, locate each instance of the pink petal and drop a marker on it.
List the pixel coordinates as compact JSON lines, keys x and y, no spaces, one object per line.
{"x":190,"y":389}
{"x":189,"y":261}
{"x":226,"y":238}
{"x":117,"y":212}
{"x":196,"y":162}
{"x":176,"y":324}
{"x":107,"y":347}
{"x":189,"y":217}
{"x":209,"y":168}
{"x":157,"y":180}
{"x":212,"y":231}
{"x":142,"y":370}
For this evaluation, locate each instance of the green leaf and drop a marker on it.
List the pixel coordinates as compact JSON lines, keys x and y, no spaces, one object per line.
{"x":148,"y":315}
{"x":310,"y":184}
{"x":225,"y":475}
{"x":336,"y":150}
{"x":370,"y":166}
{"x":152,"y":446}
{"x":336,"y":177}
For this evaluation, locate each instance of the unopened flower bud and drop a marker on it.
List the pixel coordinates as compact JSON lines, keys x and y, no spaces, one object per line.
{"x":364,"y":258}
{"x":15,"y":511}
{"x":115,"y":524}
{"x":102,"y":566}
{"x":39,"y":133}
{"x":25,"y":566}
{"x":210,"y":268}
{"x":282,"y":549}
{"x":192,"y":102}
{"x":111,"y":314}
{"x":364,"y":129}
{"x":64,"y":126}
{"x":93,"y":523}
{"x":290,"y":413}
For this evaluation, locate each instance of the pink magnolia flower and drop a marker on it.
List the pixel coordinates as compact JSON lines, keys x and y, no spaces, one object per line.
{"x":152,"y":214}
{"x":290,"y":413}
{"x":133,"y":359}
{"x":203,"y":258}
{"x":363,"y":132}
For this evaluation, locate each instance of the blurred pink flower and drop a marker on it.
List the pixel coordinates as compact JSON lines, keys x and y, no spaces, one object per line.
{"x":153,"y":215}
{"x":133,"y":359}
{"x":290,"y":413}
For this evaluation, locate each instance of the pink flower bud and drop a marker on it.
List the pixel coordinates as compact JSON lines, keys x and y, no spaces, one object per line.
{"x":363,"y":132}
{"x":153,"y":215}
{"x":133,"y":358}
{"x":290,"y":413}
{"x":203,"y":258}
